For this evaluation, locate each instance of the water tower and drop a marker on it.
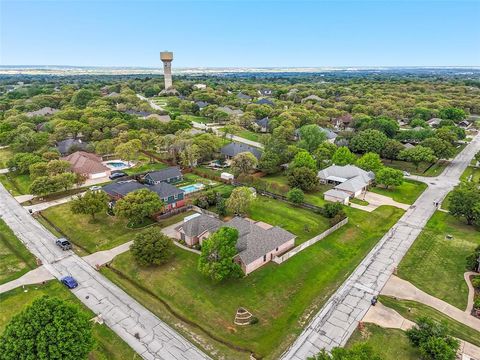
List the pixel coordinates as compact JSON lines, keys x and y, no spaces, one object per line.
{"x":167,"y":58}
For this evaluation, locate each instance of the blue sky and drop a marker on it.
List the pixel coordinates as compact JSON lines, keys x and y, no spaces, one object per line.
{"x":240,"y":33}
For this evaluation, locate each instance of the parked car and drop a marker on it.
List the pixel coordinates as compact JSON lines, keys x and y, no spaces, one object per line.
{"x":69,"y":282}
{"x":63,"y":243}
{"x":406,"y":173}
{"x":95,"y":188}
{"x":117,"y":175}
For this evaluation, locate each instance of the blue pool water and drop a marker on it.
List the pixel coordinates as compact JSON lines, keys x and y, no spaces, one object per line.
{"x":116,"y":164}
{"x":192,"y":188}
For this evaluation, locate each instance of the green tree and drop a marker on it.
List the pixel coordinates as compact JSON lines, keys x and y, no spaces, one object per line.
{"x":129,"y":150}
{"x":433,"y":340}
{"x":37,"y":169}
{"x":240,"y":200}
{"x":91,"y":203}
{"x":21,"y":162}
{"x":138,"y":205}
{"x":269,"y":162}
{"x":50,"y":328}
{"x":389,"y":177}
{"x":190,"y":155}
{"x":360,"y":351}
{"x":324,"y":153}
{"x":64,"y":181}
{"x":370,"y":140}
{"x":243,"y":163}
{"x":370,"y":162}
{"x":442,"y":149}
{"x":343,"y":156}
{"x":464,"y":201}
{"x":311,"y":136}
{"x":296,"y":196}
{"x":81,"y":98}
{"x":477,"y":157}
{"x":303,"y":159}
{"x":417,"y":155}
{"x":56,"y":167}
{"x":392,"y":149}
{"x":451,"y":113}
{"x":151,"y":247}
{"x":44,"y":185}
{"x":303,"y":178}
{"x":218,"y":250}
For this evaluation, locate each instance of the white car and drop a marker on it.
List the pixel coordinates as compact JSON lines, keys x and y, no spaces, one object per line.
{"x":406,"y":173}
{"x":95,"y":188}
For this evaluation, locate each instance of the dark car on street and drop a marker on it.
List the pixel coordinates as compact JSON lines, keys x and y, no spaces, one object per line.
{"x":69,"y":282}
{"x":63,"y":243}
{"x":117,"y":175}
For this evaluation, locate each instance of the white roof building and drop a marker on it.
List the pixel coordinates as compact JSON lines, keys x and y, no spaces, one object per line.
{"x":349,"y":179}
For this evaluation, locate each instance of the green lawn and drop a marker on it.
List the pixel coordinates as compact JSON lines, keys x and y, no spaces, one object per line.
{"x":406,"y":193}
{"x":250,"y":135}
{"x":471,"y":173}
{"x":413,"y":310}
{"x":390,"y":344}
{"x":424,"y":169}
{"x":287,"y":216}
{"x":198,"y":119}
{"x":283,"y":297}
{"x":105,"y":232}
{"x":15,"y":259}
{"x":145,"y":166}
{"x":435,"y":264}
{"x":108,"y":345}
{"x":16,"y":184}
{"x":5,"y":155}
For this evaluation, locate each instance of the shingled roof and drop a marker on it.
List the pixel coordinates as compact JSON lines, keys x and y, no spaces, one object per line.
{"x":85,"y":163}
{"x":234,"y":148}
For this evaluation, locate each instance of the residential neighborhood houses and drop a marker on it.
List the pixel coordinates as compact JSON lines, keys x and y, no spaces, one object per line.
{"x":179,"y":216}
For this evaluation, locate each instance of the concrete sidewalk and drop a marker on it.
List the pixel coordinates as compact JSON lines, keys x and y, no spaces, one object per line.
{"x":402,"y":289}
{"x":47,"y":204}
{"x":35,"y":276}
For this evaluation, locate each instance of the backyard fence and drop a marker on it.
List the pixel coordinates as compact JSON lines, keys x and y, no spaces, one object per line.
{"x":306,"y":244}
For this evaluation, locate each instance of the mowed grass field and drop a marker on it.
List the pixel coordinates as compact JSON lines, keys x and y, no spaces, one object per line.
{"x":16,"y":184}
{"x":5,"y":155}
{"x":436,"y":264}
{"x":282,"y":297}
{"x":15,"y":259}
{"x":406,"y":193}
{"x":108,"y":345}
{"x":390,"y":344}
{"x":103,"y":233}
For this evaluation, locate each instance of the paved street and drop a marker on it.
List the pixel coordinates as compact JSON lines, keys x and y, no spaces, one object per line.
{"x":143,"y":331}
{"x":339,"y":317}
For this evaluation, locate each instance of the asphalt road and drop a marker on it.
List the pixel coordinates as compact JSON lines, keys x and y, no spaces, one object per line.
{"x":335,"y":322}
{"x":143,"y":331}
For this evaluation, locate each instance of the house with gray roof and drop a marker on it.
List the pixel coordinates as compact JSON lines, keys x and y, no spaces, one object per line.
{"x":201,"y":104}
{"x":243,"y":96}
{"x":330,"y":134}
{"x":264,"y":101}
{"x":169,"y":175}
{"x":234,"y":148}
{"x":169,"y":194}
{"x":262,"y":124}
{"x":68,"y":146}
{"x":45,"y":111}
{"x":257,"y":244}
{"x":349,"y":180}
{"x":230,"y":111}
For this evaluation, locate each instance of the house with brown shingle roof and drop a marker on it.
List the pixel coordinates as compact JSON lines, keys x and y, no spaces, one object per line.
{"x":87,"y":164}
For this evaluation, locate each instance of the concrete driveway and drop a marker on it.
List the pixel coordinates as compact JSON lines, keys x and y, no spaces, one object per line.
{"x":375,"y":200}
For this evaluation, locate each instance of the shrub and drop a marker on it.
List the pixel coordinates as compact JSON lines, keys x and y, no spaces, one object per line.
{"x":330,"y":210}
{"x":151,"y":247}
{"x":295,"y":196}
{"x":476,"y":303}
{"x":253,"y":320}
{"x":476,"y":282}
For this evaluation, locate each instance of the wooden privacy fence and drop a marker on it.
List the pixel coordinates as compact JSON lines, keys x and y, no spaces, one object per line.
{"x":306,"y":244}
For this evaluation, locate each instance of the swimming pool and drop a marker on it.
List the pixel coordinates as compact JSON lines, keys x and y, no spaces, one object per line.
{"x":117,"y":164}
{"x":192,"y":188}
